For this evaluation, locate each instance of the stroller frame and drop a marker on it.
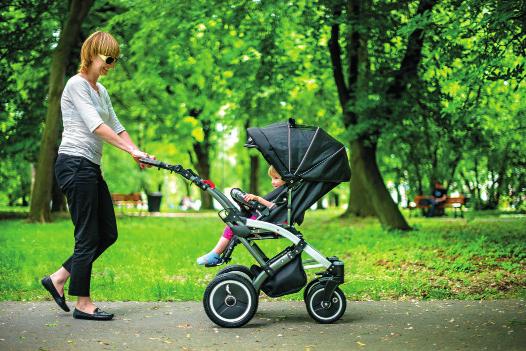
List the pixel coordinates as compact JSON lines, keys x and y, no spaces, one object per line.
{"x":246,"y":232}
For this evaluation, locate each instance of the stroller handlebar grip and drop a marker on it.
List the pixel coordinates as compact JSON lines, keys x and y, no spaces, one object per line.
{"x":151,"y":161}
{"x":186,"y":173}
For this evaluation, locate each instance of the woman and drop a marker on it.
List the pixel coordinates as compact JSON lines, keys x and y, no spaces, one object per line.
{"x":88,"y":119}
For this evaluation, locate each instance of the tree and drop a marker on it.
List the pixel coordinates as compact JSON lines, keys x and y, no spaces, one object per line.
{"x":41,"y":194}
{"x":365,"y":116}
{"x":26,"y":44}
{"x":459,"y":128}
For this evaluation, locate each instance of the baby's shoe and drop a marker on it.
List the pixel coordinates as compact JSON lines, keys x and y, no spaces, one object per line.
{"x":210,"y":258}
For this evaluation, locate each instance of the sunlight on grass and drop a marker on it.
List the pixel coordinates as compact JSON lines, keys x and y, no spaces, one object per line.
{"x":154,"y":258}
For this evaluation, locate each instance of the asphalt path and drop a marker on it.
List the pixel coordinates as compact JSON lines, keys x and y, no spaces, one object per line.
{"x":375,"y":325}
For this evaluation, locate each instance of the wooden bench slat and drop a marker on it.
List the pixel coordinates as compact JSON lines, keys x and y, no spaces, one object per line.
{"x":455,"y":202}
{"x":122,"y":200}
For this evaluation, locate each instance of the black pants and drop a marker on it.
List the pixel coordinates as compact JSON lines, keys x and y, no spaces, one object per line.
{"x":432,"y":203}
{"x":91,"y":210}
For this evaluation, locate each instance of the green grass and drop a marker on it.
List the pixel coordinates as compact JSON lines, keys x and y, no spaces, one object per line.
{"x":154,"y":258}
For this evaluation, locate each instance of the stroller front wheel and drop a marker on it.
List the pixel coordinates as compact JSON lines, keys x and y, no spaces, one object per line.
{"x":308,"y":288}
{"x":325,"y":314}
{"x":230,"y":300}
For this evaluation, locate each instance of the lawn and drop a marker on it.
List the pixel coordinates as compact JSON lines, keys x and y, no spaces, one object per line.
{"x":154,"y":258}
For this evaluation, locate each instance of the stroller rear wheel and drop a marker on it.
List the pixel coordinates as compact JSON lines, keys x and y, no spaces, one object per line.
{"x":230,"y":300}
{"x":325,"y":314}
{"x":238,"y":269}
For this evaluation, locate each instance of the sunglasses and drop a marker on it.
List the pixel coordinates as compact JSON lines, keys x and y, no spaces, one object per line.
{"x":108,"y":59}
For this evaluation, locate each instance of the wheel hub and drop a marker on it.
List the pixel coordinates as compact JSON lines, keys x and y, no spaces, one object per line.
{"x":325,"y":304}
{"x":230,"y":300}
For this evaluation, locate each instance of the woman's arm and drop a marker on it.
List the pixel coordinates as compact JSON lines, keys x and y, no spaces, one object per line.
{"x":120,"y":141}
{"x":108,"y":135}
{"x":124,"y":135}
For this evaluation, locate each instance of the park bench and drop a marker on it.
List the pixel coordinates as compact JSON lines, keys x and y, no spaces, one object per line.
{"x":455,"y":202}
{"x":133,"y":200}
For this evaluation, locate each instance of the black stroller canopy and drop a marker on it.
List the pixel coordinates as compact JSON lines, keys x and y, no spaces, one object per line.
{"x":310,"y":160}
{"x":301,"y":152}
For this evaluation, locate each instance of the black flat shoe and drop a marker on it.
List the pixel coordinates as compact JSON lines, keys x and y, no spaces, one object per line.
{"x":97,"y":315}
{"x":60,"y":300}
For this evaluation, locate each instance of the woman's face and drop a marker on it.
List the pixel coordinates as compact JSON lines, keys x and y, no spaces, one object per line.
{"x":100,"y":67}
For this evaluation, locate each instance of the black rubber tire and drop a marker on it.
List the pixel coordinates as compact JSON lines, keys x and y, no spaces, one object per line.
{"x":238,"y":269}
{"x":308,"y":288}
{"x":230,"y":300}
{"x":325,"y":315}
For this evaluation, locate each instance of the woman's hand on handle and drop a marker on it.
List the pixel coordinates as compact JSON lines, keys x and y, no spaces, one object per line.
{"x":123,"y":142}
{"x":138,"y":154}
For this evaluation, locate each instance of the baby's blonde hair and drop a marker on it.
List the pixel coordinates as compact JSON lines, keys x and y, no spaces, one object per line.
{"x":273,"y":172}
{"x":97,"y":43}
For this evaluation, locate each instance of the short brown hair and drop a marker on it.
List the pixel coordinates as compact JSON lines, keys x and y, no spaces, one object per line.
{"x":97,"y":43}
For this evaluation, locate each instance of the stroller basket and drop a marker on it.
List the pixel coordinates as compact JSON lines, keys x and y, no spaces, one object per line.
{"x":288,"y":280}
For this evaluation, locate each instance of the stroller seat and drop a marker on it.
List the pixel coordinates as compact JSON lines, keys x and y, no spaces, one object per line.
{"x":262,"y":234}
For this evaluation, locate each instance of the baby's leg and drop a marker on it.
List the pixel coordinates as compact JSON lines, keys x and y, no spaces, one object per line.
{"x":221,"y":245}
{"x":224,"y":240}
{"x":213,"y":256}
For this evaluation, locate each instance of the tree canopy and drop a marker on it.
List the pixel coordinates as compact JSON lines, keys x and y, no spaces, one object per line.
{"x":418,"y":90}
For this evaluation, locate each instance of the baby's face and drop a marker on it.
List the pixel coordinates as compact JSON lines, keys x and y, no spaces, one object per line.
{"x":277,"y":182}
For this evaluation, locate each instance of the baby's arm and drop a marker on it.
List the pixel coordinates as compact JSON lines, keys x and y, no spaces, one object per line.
{"x":249,"y":197}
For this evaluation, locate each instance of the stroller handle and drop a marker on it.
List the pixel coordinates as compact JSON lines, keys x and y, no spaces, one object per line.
{"x":205,"y":185}
{"x":156,"y":163}
{"x":187,"y":173}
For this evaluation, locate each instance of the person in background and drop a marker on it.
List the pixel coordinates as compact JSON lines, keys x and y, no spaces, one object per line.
{"x":439,"y":196}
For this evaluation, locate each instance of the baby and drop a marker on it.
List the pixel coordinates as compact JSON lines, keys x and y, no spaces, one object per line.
{"x":214,"y":256}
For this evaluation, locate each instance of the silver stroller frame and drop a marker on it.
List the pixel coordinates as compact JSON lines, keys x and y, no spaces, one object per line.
{"x":325,"y":302}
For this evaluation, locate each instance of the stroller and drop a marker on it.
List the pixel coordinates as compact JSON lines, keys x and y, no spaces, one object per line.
{"x":311,"y":163}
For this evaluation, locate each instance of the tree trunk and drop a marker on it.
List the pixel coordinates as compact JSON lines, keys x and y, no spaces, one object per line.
{"x":471,"y":189}
{"x":41,"y":195}
{"x":367,"y":168}
{"x":365,"y":165}
{"x":492,"y":190}
{"x":452,"y":169}
{"x":203,"y":169}
{"x":502,"y":182}
{"x":202,"y":164}
{"x":335,"y":200}
{"x":398,"y":194}
{"x":360,"y":204}
{"x":254,"y":174}
{"x":253,"y":184}
{"x":187,"y":188}
{"x":478,"y":199}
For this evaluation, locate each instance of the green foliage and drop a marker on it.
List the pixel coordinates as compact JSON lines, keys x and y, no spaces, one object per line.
{"x":212,"y":68}
{"x":466,"y":116}
{"x":27,"y":37}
